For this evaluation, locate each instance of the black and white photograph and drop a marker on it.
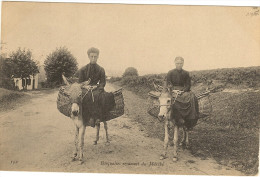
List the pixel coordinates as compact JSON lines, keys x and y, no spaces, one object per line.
{"x":113,"y":88}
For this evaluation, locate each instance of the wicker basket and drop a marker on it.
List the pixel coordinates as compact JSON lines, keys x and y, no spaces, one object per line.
{"x":153,"y":108}
{"x":118,"y":110}
{"x":63,"y":101}
{"x":64,"y":104}
{"x":205,"y":106}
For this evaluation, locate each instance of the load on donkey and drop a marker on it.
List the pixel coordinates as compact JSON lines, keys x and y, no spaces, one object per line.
{"x":87,"y":103}
{"x":178,"y":107}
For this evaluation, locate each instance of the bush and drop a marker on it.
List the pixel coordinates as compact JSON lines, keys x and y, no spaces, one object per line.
{"x":22,"y":64}
{"x":7,"y":83}
{"x":130,"y":71}
{"x":58,"y":62}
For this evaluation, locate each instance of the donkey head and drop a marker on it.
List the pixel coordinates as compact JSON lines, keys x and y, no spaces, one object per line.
{"x":75,"y":95}
{"x":164,"y":102}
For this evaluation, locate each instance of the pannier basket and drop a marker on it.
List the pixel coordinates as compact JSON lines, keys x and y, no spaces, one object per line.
{"x":153,"y":103}
{"x":118,"y":110}
{"x":205,"y":106}
{"x":64,"y":104}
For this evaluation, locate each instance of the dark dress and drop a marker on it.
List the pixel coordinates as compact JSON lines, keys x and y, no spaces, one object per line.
{"x":185,"y":109}
{"x":179,"y":78}
{"x":96,"y":104}
{"x":95,"y":72}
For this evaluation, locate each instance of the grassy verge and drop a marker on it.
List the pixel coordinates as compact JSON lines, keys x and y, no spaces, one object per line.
{"x":11,"y":99}
{"x":230,"y":135}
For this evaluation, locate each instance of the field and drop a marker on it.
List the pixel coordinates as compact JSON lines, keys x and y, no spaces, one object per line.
{"x":231,"y":134}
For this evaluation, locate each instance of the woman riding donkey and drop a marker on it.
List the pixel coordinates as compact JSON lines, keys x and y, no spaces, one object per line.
{"x":186,"y":104}
{"x":178,"y":106}
{"x":96,"y":102}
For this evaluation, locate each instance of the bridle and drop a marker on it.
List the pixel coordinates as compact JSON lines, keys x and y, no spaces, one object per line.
{"x":168,"y":105}
{"x":83,"y":96}
{"x":171,"y":103}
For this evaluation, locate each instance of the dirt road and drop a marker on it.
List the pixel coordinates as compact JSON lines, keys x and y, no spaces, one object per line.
{"x":36,"y":137}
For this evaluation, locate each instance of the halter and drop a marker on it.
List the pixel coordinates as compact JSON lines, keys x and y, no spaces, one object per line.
{"x":91,"y":90}
{"x":168,"y":110}
{"x":172,"y":102}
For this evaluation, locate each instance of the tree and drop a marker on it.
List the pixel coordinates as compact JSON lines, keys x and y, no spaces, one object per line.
{"x":59,"y":61}
{"x":23,"y":64}
{"x":19,"y":65}
{"x":6,"y":73}
{"x":130,"y":71}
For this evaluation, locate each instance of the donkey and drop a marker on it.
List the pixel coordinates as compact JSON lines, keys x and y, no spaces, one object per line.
{"x":76,"y":97}
{"x":170,"y":125}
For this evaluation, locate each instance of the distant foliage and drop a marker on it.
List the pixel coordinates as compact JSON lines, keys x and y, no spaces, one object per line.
{"x":115,"y":79}
{"x":217,"y":78}
{"x":235,"y":76}
{"x":23,"y":64}
{"x":130,"y":71}
{"x":59,"y":61}
{"x":6,"y":74}
{"x":19,"y":65}
{"x":248,"y":76}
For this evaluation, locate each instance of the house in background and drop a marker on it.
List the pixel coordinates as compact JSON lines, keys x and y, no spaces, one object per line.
{"x":29,"y":83}
{"x":32,"y":82}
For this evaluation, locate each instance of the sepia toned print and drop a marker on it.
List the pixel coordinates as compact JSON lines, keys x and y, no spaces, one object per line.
{"x":175,"y":87}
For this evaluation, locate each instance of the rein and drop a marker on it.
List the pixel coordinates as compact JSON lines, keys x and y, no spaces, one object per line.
{"x":159,"y":105}
{"x":91,"y":90}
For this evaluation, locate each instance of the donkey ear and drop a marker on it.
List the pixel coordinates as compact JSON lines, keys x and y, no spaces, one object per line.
{"x":158,"y":88}
{"x":65,"y":79}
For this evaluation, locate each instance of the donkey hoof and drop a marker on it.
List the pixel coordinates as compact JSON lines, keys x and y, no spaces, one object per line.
{"x":81,"y":162}
{"x":74,"y":157}
{"x":162,"y":157}
{"x":95,"y":143}
{"x":107,"y":143}
{"x":171,"y":144}
{"x":174,"y":159}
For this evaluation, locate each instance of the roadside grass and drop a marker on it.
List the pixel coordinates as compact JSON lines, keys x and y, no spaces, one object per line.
{"x":10,"y":99}
{"x":230,"y":135}
{"x":236,"y":148}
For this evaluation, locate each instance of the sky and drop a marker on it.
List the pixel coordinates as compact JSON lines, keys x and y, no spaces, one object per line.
{"x":147,"y":37}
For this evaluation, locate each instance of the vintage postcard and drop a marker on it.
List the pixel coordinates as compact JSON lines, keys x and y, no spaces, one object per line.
{"x":129,"y":89}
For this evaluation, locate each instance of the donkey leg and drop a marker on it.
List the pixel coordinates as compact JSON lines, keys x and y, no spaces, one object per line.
{"x":76,"y":142}
{"x":81,"y":144}
{"x":166,"y":139}
{"x":105,"y":127}
{"x":183,"y":141}
{"x":97,"y":133}
{"x":175,"y":142}
{"x":187,"y":139}
{"x":170,"y":133}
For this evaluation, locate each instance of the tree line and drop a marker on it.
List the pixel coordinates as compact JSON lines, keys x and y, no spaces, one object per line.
{"x":21,"y":64}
